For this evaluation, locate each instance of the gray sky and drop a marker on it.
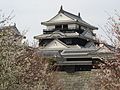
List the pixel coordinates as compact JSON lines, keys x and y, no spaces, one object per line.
{"x":30,"y":13}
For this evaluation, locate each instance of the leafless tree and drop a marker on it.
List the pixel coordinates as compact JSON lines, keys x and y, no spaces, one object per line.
{"x":4,"y":19}
{"x":22,"y":67}
{"x":108,"y":77}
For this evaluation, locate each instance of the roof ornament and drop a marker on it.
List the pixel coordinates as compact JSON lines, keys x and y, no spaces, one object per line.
{"x":15,"y":24}
{"x":79,"y":14}
{"x":61,"y":9}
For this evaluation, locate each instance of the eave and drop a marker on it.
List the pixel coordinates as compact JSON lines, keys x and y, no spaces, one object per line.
{"x":69,"y":22}
{"x":77,"y":36}
{"x":75,"y":63}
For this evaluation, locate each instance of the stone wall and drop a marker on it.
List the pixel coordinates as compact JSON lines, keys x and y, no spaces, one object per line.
{"x":77,"y":81}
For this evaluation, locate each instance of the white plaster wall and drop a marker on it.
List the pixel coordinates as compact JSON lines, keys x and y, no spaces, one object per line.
{"x":60,"y":17}
{"x":50,"y":27}
{"x":77,"y":26}
{"x":55,"y":45}
{"x":72,"y":26}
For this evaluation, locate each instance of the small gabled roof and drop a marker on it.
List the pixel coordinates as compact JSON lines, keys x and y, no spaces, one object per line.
{"x":13,"y":29}
{"x":56,"y":44}
{"x":76,"y":19}
{"x":106,"y":48}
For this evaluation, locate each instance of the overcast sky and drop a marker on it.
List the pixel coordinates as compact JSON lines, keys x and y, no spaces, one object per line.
{"x":30,"y":13}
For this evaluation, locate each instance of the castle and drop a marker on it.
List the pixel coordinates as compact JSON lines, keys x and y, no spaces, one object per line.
{"x":74,"y":39}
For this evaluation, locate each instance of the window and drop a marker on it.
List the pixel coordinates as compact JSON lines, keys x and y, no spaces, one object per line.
{"x":79,"y":27}
{"x":68,"y":42}
{"x":58,"y":27}
{"x":65,"y":26}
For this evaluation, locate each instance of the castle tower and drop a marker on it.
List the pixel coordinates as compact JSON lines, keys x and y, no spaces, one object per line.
{"x":74,"y":39}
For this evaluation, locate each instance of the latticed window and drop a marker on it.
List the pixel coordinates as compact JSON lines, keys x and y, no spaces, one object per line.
{"x":68,"y":41}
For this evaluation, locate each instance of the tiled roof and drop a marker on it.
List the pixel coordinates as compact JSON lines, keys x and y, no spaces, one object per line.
{"x":63,"y":35}
{"x":75,"y":63}
{"x":78,"y":19}
{"x":57,"y":34}
{"x":13,"y":29}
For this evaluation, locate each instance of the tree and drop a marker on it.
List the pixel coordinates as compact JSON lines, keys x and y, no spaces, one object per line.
{"x":22,"y":67}
{"x":108,"y":78}
{"x":5,"y":20}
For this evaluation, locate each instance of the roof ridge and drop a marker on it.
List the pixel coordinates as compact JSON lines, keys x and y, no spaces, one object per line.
{"x":63,"y":11}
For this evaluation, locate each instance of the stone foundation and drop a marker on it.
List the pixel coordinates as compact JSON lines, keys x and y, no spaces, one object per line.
{"x":77,"y":81}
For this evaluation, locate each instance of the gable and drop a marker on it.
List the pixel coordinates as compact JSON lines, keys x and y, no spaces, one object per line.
{"x":88,"y":34}
{"x":104,"y":49}
{"x":90,"y":45}
{"x":55,"y":44}
{"x":60,"y":17}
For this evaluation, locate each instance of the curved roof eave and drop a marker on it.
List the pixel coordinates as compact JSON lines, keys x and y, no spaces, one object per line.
{"x":78,"y":20}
